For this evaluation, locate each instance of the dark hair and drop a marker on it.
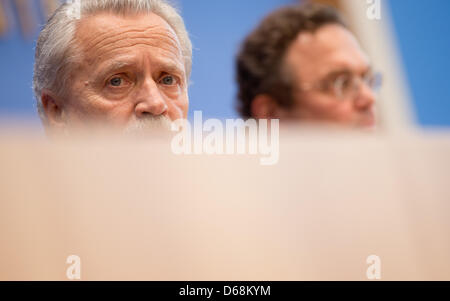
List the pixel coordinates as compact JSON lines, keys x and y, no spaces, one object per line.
{"x":259,"y":64}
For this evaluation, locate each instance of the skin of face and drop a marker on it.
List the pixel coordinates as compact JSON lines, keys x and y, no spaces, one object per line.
{"x":313,"y":57}
{"x":130,"y":68}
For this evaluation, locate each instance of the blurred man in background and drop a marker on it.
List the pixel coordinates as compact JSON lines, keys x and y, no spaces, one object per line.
{"x":303,"y":64}
{"x":123,"y":64}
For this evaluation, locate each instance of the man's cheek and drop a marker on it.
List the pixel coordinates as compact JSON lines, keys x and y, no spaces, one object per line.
{"x":333,"y":109}
{"x":92,"y":105}
{"x":179,"y":108}
{"x":344,"y":111}
{"x":177,"y":111}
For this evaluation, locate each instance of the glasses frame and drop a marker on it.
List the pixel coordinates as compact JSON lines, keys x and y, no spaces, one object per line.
{"x":336,"y":86}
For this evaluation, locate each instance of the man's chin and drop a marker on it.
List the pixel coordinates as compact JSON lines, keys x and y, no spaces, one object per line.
{"x":368,"y":121}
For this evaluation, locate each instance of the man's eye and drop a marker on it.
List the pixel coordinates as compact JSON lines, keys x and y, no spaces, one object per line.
{"x":346,"y":82}
{"x":168,"y":80}
{"x":343,"y":82}
{"x":115,"y":82}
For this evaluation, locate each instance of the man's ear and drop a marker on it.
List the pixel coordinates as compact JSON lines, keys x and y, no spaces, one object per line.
{"x":266,"y":107}
{"x":53,"y":109}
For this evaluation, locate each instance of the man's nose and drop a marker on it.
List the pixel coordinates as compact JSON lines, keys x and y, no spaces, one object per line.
{"x":365,"y":98}
{"x":150,"y":101}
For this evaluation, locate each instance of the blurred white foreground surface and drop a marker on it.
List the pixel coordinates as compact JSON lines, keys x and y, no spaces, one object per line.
{"x":135,"y":211}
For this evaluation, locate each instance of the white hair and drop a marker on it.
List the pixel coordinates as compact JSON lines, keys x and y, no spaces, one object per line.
{"x":55,"y":49}
{"x":150,"y":124}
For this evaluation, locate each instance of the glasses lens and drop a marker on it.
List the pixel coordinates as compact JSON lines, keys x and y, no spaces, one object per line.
{"x":346,"y":86}
{"x":343,"y":86}
{"x":374,"y":81}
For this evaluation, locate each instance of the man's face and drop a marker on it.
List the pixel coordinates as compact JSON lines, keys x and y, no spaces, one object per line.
{"x":323,"y":65}
{"x":131,"y":70}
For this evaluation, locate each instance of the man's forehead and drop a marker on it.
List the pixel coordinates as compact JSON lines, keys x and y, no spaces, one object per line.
{"x":105,"y":30}
{"x":331,"y":46}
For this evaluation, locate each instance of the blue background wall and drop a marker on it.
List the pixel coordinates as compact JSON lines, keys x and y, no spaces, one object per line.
{"x":16,"y":63}
{"x":423,"y":33}
{"x":217,"y":28}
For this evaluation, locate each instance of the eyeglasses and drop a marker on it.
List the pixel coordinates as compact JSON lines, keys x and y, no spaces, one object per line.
{"x":346,"y":86}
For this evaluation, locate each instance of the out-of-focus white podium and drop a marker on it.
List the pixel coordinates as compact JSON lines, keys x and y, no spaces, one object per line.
{"x":136,"y":211}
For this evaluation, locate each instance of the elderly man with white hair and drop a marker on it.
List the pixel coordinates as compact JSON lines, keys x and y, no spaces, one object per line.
{"x":120,"y":63}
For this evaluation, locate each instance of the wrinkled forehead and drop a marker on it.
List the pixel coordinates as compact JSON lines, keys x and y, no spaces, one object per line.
{"x":105,"y":33}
